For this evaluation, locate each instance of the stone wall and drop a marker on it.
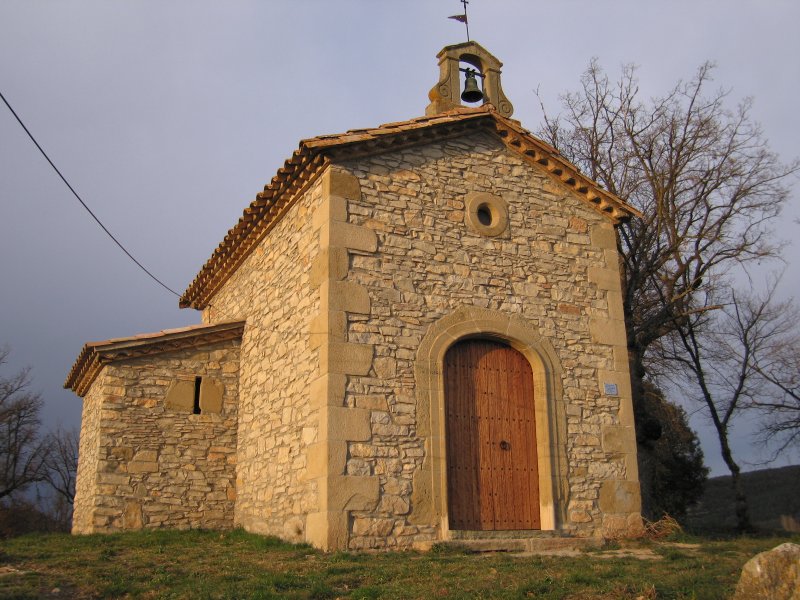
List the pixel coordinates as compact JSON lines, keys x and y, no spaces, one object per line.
{"x":555,"y":267}
{"x":145,"y":462}
{"x":86,"y":479}
{"x":335,"y":444}
{"x":271,"y":291}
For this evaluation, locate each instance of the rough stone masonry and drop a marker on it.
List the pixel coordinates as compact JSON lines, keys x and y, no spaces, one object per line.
{"x":310,"y":403}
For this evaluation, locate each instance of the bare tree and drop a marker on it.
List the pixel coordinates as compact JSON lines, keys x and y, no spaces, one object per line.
{"x":705,"y":181}
{"x":738,"y":359}
{"x":23,"y":453}
{"x":775,"y":357}
{"x":62,"y":463}
{"x":782,"y":409}
{"x":712,"y":353}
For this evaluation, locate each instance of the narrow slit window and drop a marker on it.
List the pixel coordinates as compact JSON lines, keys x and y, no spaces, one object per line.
{"x":197,"y":382}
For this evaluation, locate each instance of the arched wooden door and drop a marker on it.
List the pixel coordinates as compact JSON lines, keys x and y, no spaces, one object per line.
{"x":492,"y":465}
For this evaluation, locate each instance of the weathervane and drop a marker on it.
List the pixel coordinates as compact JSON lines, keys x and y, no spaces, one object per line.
{"x":463,"y":18}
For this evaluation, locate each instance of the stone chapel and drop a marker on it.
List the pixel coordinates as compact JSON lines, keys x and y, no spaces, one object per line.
{"x":413,"y":334}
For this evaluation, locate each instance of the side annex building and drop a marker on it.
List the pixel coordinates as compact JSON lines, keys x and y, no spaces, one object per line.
{"x":413,"y":334}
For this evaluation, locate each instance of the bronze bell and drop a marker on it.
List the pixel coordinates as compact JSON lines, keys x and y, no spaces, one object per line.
{"x":472,"y":92}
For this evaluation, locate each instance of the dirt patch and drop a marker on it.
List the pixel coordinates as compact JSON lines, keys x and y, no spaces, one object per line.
{"x":637,"y":553}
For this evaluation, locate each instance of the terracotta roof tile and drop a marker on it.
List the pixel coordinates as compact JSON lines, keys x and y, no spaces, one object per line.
{"x":95,"y":355}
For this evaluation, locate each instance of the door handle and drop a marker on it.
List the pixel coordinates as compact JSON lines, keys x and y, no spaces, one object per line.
{"x":504,"y":445}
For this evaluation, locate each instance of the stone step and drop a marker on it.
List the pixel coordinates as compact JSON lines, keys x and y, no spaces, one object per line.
{"x":487,"y":545}
{"x":517,"y":534}
{"x":529,"y":545}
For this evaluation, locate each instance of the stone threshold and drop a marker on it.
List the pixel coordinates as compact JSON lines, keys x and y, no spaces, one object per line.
{"x":520,"y":541}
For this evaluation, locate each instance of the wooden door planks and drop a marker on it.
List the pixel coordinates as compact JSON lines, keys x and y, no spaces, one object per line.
{"x":492,"y":469}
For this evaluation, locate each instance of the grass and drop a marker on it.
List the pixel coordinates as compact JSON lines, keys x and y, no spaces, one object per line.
{"x":205,"y":564}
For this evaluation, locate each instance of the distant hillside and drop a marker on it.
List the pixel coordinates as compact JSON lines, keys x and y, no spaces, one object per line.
{"x":773,"y":495}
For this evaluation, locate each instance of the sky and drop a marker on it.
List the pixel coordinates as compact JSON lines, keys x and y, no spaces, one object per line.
{"x":168,"y":117}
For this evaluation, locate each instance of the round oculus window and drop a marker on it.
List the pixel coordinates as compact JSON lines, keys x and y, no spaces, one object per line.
{"x":486,"y":214}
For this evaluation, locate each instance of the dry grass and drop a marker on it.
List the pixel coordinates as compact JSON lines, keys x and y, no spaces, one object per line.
{"x":664,"y":528}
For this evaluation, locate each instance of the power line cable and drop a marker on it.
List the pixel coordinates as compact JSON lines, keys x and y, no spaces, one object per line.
{"x":89,"y":210}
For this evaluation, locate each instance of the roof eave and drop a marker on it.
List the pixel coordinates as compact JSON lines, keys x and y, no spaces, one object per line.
{"x":563,"y":171}
{"x":95,"y":355}
{"x":318,"y":154}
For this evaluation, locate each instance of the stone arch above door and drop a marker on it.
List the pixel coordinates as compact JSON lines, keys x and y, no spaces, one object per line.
{"x":429,"y":500}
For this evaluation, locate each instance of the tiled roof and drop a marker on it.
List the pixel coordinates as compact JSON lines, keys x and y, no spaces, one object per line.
{"x":95,"y":355}
{"x":315,"y":154}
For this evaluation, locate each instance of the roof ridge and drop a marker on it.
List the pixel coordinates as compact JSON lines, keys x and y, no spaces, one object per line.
{"x":463,"y":110}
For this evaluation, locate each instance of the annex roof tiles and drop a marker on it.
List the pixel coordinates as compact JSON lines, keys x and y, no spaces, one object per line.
{"x":95,"y":355}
